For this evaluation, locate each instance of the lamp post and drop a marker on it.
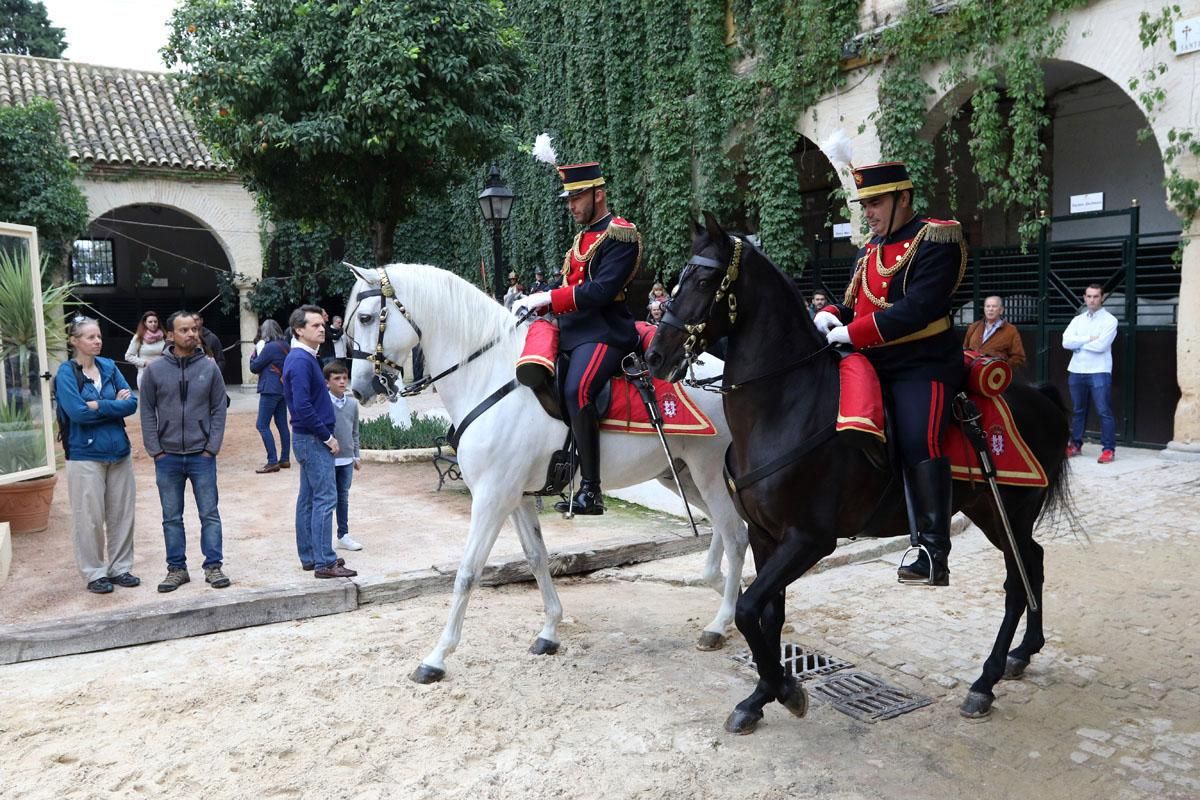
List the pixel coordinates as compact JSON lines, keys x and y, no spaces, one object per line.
{"x":495,"y":201}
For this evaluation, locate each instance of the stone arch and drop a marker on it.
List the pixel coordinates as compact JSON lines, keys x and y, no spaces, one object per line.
{"x":225,"y":209}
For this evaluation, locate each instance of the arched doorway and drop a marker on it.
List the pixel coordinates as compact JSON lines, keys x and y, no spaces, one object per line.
{"x":1107,"y":221}
{"x":141,"y":257}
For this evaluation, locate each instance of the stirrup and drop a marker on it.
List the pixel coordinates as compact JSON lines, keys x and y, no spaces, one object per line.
{"x":920,"y":548}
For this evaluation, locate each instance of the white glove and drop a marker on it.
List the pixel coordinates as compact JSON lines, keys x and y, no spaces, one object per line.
{"x":533,"y":302}
{"x":826,"y":321}
{"x":838,"y":335}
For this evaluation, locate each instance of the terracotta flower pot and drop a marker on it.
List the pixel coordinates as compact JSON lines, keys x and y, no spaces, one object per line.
{"x":26,"y":504}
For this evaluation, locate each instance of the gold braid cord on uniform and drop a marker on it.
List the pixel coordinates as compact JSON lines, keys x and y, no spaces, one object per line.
{"x":940,"y":232}
{"x":619,"y":233}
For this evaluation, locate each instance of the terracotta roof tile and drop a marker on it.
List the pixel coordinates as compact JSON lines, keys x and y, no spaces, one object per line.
{"x":109,"y":115}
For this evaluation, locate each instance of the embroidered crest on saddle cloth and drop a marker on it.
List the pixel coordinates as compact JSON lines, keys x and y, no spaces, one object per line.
{"x":860,"y":410}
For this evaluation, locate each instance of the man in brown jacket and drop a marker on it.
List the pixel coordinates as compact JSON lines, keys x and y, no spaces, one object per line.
{"x":992,"y":336}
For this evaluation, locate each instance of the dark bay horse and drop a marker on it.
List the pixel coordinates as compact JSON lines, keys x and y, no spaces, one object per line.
{"x":782,"y":387}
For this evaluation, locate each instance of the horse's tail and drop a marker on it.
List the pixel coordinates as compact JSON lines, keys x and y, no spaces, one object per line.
{"x":1059,"y":506}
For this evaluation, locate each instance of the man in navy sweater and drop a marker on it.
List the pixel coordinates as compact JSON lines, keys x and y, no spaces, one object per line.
{"x":314,"y":444}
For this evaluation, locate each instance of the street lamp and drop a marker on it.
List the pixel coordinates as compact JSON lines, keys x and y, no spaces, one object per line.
{"x":495,"y":201}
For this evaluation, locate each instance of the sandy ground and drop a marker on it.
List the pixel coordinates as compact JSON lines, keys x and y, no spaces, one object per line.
{"x":322,"y":708}
{"x":396,"y":512}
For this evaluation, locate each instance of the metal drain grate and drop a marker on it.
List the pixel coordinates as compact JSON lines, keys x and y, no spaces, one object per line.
{"x":799,"y":662}
{"x":866,"y":697}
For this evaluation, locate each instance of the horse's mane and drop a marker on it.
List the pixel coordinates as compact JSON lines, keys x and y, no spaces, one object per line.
{"x":459,"y":305}
{"x":792,"y":290}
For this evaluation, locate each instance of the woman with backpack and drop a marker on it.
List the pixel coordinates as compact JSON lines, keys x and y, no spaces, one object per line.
{"x":93,"y":401}
{"x":267,"y":363}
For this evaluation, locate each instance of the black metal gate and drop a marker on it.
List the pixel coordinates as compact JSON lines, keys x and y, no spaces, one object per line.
{"x":1042,"y":290}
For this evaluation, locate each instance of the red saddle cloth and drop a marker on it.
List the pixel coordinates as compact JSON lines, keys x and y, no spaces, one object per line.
{"x":626,"y":413}
{"x":860,"y":409}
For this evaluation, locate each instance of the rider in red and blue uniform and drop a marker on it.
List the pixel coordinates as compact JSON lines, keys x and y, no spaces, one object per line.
{"x":595,"y":327}
{"x":897,"y":312}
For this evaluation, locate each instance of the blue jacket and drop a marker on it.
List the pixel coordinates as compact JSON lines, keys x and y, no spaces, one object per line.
{"x":307,"y":395}
{"x":268,"y":366}
{"x":97,"y":435}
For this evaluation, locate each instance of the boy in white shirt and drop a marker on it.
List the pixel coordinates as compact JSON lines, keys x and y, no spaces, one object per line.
{"x":345,"y":430}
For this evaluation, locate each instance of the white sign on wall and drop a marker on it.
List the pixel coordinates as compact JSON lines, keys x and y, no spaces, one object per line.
{"x":159,"y":283}
{"x":1081,"y":203}
{"x":841,"y":230}
{"x":1187,"y":36}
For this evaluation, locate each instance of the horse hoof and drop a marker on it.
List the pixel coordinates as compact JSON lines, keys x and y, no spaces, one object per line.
{"x":977,"y":705}
{"x":1014,"y":668}
{"x":710,"y":641}
{"x":543,"y":647}
{"x":796,"y":701}
{"x":742,"y":722}
{"x":427,"y":674}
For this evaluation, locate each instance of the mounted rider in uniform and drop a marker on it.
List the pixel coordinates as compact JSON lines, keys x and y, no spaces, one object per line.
{"x":897,"y":312}
{"x":596,"y":330}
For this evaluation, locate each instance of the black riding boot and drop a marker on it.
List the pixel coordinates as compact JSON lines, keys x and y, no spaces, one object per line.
{"x":587,"y":501}
{"x":932,"y":493}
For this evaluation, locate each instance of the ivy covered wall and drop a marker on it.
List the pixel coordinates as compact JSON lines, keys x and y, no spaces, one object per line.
{"x":696,"y":104}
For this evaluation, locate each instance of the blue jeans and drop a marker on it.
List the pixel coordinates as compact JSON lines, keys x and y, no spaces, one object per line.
{"x":316,"y":501}
{"x":345,"y":477}
{"x":1087,"y":388}
{"x":171,"y":472}
{"x":273,"y":407}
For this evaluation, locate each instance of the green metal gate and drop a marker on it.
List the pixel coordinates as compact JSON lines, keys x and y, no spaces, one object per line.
{"x":1042,"y":290}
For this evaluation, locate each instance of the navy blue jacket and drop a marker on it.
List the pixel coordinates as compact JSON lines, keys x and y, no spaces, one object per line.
{"x":307,"y":395}
{"x":97,"y":435}
{"x":268,"y":366}
{"x":590,"y":304}
{"x":897,"y":339}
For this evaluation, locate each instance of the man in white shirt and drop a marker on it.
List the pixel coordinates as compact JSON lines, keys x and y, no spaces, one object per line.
{"x":1089,"y":337}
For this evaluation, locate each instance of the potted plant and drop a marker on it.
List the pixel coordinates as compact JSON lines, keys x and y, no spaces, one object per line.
{"x":25,"y":504}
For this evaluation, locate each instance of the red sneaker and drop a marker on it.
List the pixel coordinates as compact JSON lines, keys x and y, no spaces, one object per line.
{"x":1073,"y":450}
{"x":1106,"y":457}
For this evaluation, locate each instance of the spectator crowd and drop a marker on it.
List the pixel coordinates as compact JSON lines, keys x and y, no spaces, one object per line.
{"x":182,"y":404}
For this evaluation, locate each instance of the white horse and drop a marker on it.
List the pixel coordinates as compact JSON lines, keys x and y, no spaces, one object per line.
{"x":505,"y":451}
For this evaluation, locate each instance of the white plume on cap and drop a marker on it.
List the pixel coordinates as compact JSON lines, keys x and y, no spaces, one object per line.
{"x":543,"y":150}
{"x":836,"y":146}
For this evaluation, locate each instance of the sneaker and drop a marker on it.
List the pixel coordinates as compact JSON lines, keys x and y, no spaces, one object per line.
{"x":1073,"y":450}
{"x":100,"y":586}
{"x":215,"y":578}
{"x":347,"y":543}
{"x":176,"y":577}
{"x":334,"y":571}
{"x":1106,"y":457}
{"x":127,"y":579}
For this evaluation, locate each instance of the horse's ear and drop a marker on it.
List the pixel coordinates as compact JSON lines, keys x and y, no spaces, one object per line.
{"x":712,"y":228}
{"x":370,"y":277}
{"x":697,"y":229}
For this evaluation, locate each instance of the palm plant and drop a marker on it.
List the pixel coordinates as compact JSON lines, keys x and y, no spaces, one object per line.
{"x":18,"y":323}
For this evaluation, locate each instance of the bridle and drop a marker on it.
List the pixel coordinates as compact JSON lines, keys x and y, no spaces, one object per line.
{"x":695,"y":344}
{"x":385,"y":382}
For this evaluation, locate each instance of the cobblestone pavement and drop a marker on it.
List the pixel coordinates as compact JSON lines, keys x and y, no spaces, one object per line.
{"x":1113,"y":699}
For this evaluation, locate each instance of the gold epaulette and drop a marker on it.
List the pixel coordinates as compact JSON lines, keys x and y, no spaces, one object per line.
{"x":944,"y":231}
{"x":622,"y":230}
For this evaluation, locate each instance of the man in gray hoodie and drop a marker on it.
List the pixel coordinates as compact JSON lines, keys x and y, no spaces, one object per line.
{"x":183,"y":405}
